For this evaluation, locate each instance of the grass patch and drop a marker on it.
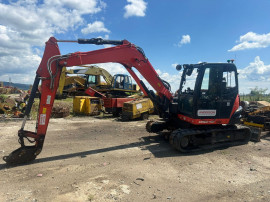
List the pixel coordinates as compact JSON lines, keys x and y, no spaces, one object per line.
{"x":3,"y":97}
{"x":255,"y":98}
{"x":67,"y":100}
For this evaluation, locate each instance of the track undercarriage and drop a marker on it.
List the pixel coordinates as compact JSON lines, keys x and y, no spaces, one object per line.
{"x":190,"y":140}
{"x":196,"y":138}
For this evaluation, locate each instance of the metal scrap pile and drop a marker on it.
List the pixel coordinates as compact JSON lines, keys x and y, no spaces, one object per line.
{"x":256,"y":116}
{"x":9,"y":90}
{"x":13,"y":106}
{"x":60,"y":110}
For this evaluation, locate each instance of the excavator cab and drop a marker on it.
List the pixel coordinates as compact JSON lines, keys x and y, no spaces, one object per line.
{"x":122,"y":81}
{"x":208,"y":91}
{"x":92,"y":80}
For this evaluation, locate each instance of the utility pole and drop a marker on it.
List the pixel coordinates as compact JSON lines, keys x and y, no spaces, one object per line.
{"x":9,"y":81}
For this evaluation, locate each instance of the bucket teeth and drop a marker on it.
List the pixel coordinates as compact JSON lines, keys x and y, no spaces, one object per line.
{"x":21,"y":155}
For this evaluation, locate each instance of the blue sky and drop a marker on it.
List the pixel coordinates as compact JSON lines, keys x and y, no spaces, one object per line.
{"x":170,"y":32}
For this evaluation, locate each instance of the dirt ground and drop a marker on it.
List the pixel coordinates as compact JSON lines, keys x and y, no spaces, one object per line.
{"x":93,"y":159}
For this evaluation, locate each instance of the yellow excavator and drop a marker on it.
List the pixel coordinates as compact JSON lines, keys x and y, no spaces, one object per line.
{"x":91,"y":76}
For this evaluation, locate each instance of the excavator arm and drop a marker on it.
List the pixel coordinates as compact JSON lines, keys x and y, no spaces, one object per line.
{"x":49,"y":71}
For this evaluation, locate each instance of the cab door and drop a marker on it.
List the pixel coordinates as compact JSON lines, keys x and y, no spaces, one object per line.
{"x":122,"y":81}
{"x":128,"y":83}
{"x":229,"y":91}
{"x":91,"y":80}
{"x":208,"y":93}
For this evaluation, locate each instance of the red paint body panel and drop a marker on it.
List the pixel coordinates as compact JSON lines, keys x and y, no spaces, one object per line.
{"x":92,"y":92}
{"x":235,"y":105}
{"x":115,"y":102}
{"x":211,"y":121}
{"x":203,"y":121}
{"x":48,"y":94}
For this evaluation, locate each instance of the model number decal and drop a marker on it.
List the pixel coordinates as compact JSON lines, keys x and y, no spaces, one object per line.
{"x":207,"y":112}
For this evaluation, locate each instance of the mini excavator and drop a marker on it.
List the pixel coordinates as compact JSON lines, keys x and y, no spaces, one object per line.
{"x":204,"y":112}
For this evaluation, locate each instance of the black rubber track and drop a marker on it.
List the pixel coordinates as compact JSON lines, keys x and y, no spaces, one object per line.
{"x":208,"y":138}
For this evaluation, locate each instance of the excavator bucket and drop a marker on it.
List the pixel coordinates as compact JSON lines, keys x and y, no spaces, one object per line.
{"x":22,"y":155}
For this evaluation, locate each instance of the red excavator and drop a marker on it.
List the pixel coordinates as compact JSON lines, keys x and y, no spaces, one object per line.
{"x":204,"y":112}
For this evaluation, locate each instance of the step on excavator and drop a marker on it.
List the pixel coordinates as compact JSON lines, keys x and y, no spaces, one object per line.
{"x":204,"y":112}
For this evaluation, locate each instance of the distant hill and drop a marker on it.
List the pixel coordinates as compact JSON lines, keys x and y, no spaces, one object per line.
{"x":18,"y":85}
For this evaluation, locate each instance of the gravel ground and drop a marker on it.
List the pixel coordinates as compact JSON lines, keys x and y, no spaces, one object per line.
{"x":93,"y":159}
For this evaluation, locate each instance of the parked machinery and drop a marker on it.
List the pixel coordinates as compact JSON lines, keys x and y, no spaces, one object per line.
{"x":86,"y":105}
{"x":112,"y":103}
{"x":256,"y":118}
{"x":139,"y":108}
{"x":203,"y":114}
{"x":91,"y":76}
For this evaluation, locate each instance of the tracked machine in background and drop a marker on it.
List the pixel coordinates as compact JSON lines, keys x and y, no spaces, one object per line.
{"x":91,"y":76}
{"x":205,"y":115}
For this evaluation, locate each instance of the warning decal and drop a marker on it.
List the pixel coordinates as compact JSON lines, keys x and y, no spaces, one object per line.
{"x":48,"y":101}
{"x":42,"y":119}
{"x":44,"y":110}
{"x":139,"y":106}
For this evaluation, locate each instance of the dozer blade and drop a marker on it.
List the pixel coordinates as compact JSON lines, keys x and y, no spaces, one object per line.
{"x":22,"y":155}
{"x":255,"y":134}
{"x":256,"y":130}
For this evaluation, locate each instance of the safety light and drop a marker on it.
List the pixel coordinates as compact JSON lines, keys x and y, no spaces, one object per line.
{"x":230,"y":61}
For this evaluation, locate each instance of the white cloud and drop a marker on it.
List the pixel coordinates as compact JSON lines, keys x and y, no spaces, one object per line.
{"x":25,"y":25}
{"x":185,"y":40}
{"x":255,"y":74}
{"x":256,"y":71}
{"x":82,"y":7}
{"x":172,"y":79}
{"x":20,"y":67}
{"x":95,"y":27}
{"x":19,"y":78}
{"x":113,"y":68}
{"x":252,"y":40}
{"x":135,"y":8}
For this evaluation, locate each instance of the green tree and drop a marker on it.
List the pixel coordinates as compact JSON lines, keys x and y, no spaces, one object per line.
{"x":257,"y":93}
